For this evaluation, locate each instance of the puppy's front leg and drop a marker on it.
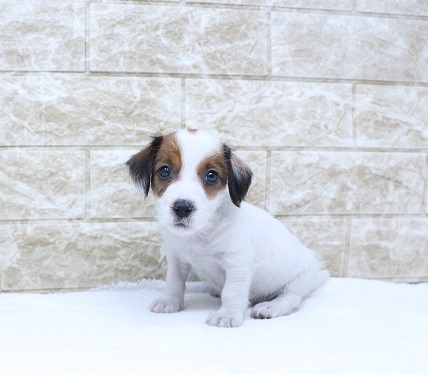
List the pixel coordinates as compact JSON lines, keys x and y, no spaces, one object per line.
{"x":234,"y":298}
{"x":173,"y":296}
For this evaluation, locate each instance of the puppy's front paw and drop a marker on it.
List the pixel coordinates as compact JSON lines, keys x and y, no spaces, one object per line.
{"x":165,"y":306}
{"x":225,"y":319}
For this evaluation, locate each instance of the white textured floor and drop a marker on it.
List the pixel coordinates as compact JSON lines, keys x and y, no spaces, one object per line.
{"x":348,"y":327}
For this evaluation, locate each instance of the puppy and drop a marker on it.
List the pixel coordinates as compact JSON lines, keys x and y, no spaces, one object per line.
{"x":245,"y":255}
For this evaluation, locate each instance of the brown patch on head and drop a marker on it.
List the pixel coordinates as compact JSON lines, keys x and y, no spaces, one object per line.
{"x":192,"y":131}
{"x":214,"y":165}
{"x":168,"y":155}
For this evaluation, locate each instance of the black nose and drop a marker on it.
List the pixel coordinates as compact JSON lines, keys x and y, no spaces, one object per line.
{"x":183,"y":208}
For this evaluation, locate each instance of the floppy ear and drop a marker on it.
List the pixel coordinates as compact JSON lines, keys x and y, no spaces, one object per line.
{"x":141,"y":165}
{"x":239,"y":178}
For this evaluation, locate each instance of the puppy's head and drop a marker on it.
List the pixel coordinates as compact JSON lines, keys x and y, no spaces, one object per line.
{"x":191,"y":174}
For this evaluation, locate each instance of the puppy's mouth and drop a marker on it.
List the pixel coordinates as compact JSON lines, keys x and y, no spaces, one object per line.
{"x":181,"y":225}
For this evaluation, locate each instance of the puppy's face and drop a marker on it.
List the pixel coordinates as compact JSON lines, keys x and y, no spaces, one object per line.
{"x":191,"y":174}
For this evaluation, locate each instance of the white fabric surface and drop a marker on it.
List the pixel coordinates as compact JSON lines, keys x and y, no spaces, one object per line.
{"x":349,"y":326}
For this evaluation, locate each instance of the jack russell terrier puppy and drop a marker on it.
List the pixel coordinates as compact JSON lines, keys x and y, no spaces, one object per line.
{"x":245,"y":255}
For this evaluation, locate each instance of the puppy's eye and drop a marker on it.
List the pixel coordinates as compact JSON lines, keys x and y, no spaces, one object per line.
{"x":211,"y":177}
{"x":164,"y":172}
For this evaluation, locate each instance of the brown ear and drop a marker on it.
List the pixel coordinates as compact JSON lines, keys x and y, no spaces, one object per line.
{"x":141,"y":165}
{"x":240,"y":175}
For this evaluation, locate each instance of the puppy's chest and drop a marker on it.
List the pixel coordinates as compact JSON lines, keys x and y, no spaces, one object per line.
{"x":209,"y":269}
{"x":205,"y":261}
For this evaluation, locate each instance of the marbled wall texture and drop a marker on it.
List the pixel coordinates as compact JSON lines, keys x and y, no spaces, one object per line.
{"x":326,"y":100}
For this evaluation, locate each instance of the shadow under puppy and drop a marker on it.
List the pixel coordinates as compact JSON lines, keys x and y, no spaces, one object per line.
{"x":244,"y":254}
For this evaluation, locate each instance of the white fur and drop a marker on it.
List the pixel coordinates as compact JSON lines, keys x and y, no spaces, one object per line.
{"x":244,"y":254}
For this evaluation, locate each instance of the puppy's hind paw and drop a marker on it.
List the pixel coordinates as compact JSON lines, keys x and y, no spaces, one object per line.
{"x":282,"y":305}
{"x":262,"y":311}
{"x":225,"y":319}
{"x":164,"y":306}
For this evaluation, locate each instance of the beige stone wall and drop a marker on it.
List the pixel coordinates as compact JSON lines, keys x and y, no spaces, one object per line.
{"x":326,"y":100}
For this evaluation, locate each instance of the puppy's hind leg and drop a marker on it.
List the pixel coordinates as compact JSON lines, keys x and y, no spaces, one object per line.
{"x":289,"y":299}
{"x":284,"y":304}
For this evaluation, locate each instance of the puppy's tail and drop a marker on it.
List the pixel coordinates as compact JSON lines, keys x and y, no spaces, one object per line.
{"x":321,"y":279}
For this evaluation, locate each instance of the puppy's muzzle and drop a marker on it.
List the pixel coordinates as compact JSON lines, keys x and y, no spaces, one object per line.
{"x":183,"y":208}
